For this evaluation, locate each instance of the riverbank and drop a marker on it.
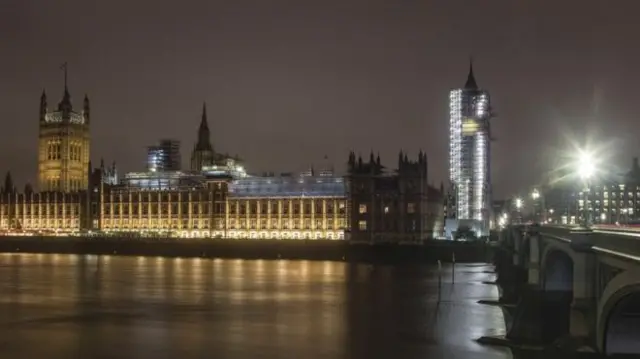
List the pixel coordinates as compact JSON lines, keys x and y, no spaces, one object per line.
{"x":445,"y":251}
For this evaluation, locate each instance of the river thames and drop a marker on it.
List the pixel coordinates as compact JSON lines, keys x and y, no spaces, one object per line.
{"x":74,"y":306}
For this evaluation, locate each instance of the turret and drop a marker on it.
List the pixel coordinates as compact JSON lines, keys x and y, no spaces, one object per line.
{"x":43,"y":106}
{"x":351,"y":163}
{"x":86,"y":112}
{"x":8,"y":184}
{"x":28,"y":190}
{"x":425,"y":163}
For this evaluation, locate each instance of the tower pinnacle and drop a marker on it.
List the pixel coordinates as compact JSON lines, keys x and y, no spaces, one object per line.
{"x":202,"y":154}
{"x":471,"y":80}
{"x":65,"y":104}
{"x":204,"y":141}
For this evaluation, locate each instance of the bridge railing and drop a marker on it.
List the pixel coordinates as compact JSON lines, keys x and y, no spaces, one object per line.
{"x":622,"y":245}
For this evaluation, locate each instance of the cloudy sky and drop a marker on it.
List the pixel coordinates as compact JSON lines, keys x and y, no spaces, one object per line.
{"x":288,"y":82}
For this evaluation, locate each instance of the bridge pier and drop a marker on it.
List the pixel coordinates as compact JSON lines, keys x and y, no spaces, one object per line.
{"x":583,"y":317}
{"x":511,"y":276}
{"x":578,"y":290}
{"x":556,"y":300}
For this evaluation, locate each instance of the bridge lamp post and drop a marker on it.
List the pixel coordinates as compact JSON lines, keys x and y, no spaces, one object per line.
{"x":586,"y":169}
{"x":538,"y":206}
{"x":518,"y":203}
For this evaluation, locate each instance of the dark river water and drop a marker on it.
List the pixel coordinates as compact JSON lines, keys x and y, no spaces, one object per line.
{"x":67,"y":306}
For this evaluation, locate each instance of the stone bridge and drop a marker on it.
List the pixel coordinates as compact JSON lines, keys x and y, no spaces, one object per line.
{"x":571,"y":287}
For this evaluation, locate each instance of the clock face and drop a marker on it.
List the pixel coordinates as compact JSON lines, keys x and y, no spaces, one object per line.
{"x":469,"y":126}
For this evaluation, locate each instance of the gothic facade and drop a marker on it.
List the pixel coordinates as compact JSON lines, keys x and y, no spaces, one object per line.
{"x":398,"y":206}
{"x":63,"y":146}
{"x":217,"y":199}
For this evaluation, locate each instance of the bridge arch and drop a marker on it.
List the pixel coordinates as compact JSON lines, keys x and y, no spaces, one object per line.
{"x":557,"y":267}
{"x":618,"y":327}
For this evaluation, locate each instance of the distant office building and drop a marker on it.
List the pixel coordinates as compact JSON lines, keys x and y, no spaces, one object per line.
{"x":612,"y":200}
{"x":469,"y":157}
{"x":164,"y":157}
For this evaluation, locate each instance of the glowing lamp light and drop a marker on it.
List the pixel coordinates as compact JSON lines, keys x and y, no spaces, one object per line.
{"x":535,"y":194}
{"x":586,"y":165}
{"x":518,"y":203}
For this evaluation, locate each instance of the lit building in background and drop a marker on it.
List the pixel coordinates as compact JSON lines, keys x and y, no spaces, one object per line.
{"x":217,"y":198}
{"x":614,"y":200}
{"x":469,"y":158}
{"x":287,"y":207}
{"x":164,"y":157}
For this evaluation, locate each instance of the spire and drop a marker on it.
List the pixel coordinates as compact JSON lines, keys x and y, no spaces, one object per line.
{"x":65,"y":104}
{"x":203,"y":122}
{"x":471,"y":80}
{"x":204,"y":141}
{"x":64,"y":68}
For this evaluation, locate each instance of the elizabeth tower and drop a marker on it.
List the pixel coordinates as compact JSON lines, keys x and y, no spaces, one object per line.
{"x":63,"y":149}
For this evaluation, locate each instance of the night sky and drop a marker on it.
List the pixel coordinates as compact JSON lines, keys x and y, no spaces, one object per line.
{"x":288,"y":82}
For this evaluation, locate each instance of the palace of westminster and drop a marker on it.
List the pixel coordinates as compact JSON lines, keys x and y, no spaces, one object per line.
{"x":216,"y":197}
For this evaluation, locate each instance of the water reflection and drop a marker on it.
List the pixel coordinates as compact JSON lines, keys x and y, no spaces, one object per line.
{"x":63,"y":306}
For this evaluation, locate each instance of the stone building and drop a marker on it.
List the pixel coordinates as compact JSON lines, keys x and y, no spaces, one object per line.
{"x":392,"y":206}
{"x":63,"y":146}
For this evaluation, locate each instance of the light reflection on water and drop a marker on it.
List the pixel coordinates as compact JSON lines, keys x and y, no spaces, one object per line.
{"x":63,"y":306}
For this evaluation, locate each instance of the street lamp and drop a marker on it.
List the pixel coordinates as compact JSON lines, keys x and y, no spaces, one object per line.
{"x":535,"y":194}
{"x":518,"y":203}
{"x":538,"y":205}
{"x":586,"y":169}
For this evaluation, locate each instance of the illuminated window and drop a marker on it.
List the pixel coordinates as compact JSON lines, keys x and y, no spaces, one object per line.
{"x":411,"y":208}
{"x":363,"y":208}
{"x":362,"y":225}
